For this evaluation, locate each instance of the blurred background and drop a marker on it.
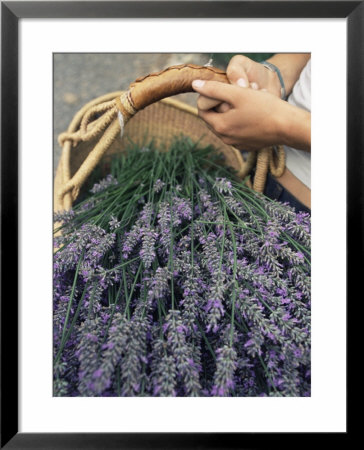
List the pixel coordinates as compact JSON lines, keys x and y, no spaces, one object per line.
{"x":80,"y":77}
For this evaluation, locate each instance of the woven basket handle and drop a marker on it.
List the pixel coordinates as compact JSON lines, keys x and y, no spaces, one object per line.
{"x":142,"y":92}
{"x":156,"y":86}
{"x":171,"y":81}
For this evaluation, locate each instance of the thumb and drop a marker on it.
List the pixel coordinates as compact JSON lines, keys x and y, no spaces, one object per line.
{"x":214,"y":89}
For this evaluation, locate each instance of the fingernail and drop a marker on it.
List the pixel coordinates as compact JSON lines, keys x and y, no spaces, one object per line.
{"x":254,"y":85}
{"x":198,"y":83}
{"x":242,"y":82}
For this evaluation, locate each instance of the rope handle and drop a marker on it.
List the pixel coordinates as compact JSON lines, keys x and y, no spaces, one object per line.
{"x":107,"y":119}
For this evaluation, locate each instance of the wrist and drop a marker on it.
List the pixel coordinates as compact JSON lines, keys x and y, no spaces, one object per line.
{"x":278,"y":79}
{"x":290,"y":66}
{"x":274,"y":85}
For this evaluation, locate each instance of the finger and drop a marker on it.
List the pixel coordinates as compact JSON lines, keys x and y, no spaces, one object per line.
{"x":208,"y":117}
{"x":216,"y":90}
{"x":222,"y":108}
{"x":213,"y":120}
{"x":254,"y":85}
{"x":237,"y":70}
{"x":205,"y":103}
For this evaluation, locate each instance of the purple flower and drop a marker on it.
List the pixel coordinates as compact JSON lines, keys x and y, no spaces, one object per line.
{"x":108,"y":181}
{"x":182,"y":352}
{"x":182,"y":210}
{"x":202,"y":288}
{"x":132,"y":361}
{"x":226,"y":365}
{"x":164,"y":372}
{"x":87,"y":356}
{"x":223,"y":185}
{"x":158,"y":186}
{"x":147,"y":252}
{"x":113,"y":350}
{"x":114,"y":224}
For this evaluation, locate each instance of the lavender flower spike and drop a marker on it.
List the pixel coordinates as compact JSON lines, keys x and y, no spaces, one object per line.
{"x":225,"y":369}
{"x":180,"y":349}
{"x":158,"y":186}
{"x":104,"y":184}
{"x":223,"y":185}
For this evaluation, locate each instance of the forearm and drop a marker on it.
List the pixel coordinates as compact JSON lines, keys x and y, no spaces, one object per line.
{"x":294,"y":127}
{"x":290,"y":66}
{"x":254,"y":119}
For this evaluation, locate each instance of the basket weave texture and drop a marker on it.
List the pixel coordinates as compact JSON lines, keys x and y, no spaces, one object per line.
{"x":161,"y":122}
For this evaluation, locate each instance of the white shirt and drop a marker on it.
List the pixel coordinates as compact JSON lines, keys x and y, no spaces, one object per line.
{"x":299,"y":161}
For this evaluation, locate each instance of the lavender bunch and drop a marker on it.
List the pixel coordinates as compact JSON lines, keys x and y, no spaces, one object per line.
{"x":171,"y":278}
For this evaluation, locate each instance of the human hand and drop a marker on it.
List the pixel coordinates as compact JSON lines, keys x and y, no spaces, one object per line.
{"x":253,"y":119}
{"x":244,"y":72}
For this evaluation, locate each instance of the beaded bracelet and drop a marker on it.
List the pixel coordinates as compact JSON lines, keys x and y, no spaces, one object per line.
{"x":275,"y":69}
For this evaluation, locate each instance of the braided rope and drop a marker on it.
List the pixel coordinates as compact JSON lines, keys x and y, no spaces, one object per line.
{"x":261,"y":170}
{"x":95,"y":110}
{"x":247,"y":165}
{"x":125,"y":106}
{"x":277,"y":161}
{"x":74,"y":184}
{"x":116,"y":114}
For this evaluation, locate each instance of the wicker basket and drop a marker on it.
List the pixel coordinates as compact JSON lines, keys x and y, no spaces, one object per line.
{"x":94,"y":131}
{"x":160,"y":122}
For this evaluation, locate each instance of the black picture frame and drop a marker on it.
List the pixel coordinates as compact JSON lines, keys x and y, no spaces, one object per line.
{"x":11,"y":12}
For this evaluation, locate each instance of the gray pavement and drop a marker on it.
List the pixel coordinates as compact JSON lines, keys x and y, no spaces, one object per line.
{"x":80,"y":77}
